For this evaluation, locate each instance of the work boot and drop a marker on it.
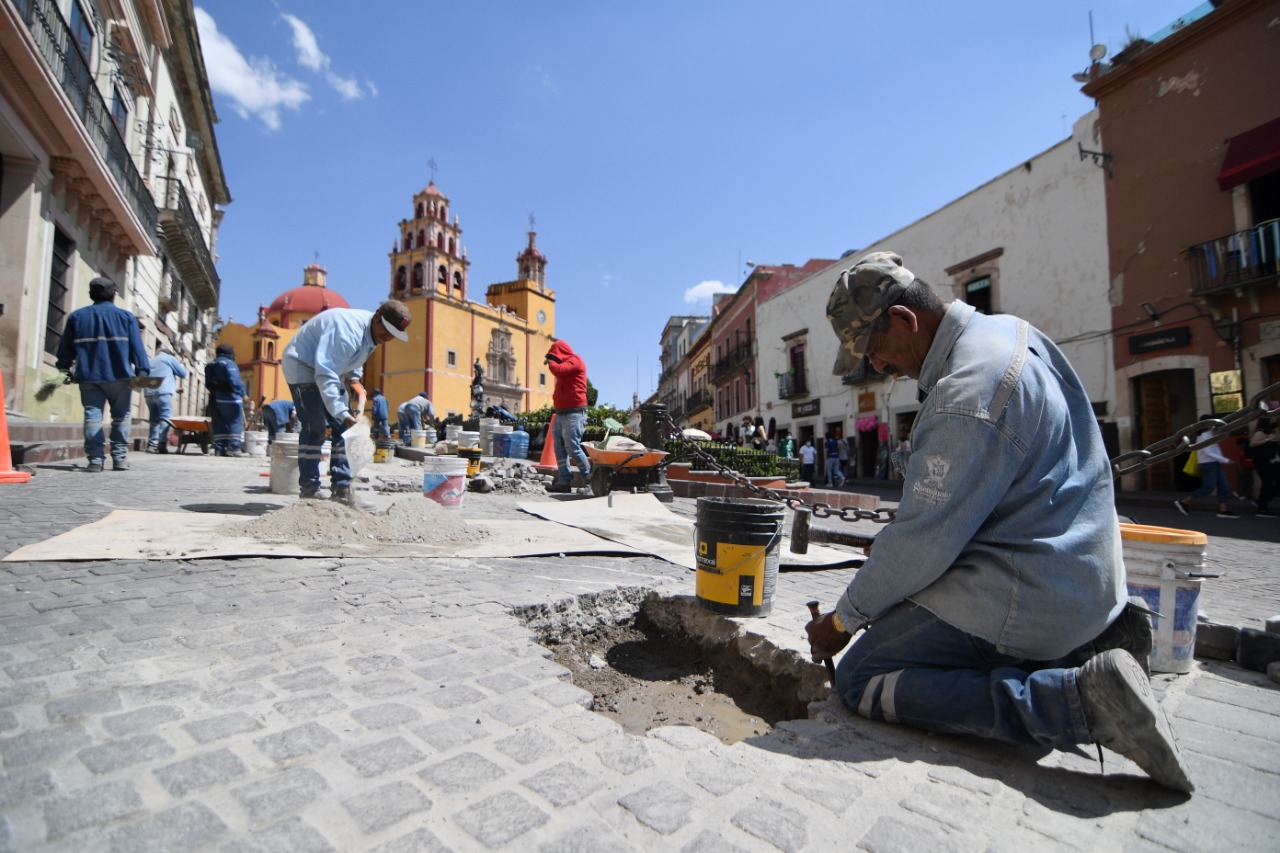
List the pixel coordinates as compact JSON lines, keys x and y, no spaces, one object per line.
{"x":350,"y":497}
{"x":1130,"y":631}
{"x":560,"y":488}
{"x":120,"y":465}
{"x":94,"y":467}
{"x":1124,"y":717}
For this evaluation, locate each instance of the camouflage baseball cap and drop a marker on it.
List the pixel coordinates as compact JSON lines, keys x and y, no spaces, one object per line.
{"x":862,"y":293}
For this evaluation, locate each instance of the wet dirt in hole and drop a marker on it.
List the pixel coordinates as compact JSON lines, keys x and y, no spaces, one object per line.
{"x":645,"y":680}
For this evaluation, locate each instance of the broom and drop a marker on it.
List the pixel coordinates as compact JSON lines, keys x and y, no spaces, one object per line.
{"x":46,"y":389}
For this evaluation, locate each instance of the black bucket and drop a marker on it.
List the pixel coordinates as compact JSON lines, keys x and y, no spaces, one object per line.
{"x":737,"y":556}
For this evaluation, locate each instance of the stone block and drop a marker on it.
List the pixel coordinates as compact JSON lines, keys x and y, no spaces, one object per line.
{"x":563,"y":784}
{"x":383,"y":757}
{"x":90,"y":807}
{"x":131,"y":722}
{"x":118,"y":754}
{"x":500,"y":818}
{"x":386,"y":806}
{"x":291,"y":743}
{"x":200,"y":771}
{"x":222,"y":726}
{"x":1216,"y":642}
{"x":1257,"y":649}
{"x":194,"y":823}
{"x":664,"y":808}
{"x":281,"y":794}
{"x":462,"y":773}
{"x":1273,"y":625}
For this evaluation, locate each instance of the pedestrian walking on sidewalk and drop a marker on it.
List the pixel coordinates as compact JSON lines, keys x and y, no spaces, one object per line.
{"x":835,"y":475}
{"x":101,"y":349}
{"x":1264,"y":450}
{"x":323,"y":365}
{"x":1213,"y":476}
{"x":995,"y":604}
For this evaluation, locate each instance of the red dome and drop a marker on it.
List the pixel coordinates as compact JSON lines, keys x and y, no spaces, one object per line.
{"x":307,"y":299}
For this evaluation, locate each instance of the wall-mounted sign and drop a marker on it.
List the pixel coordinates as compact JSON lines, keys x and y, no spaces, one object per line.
{"x":1158,"y":340}
{"x":866,"y":402}
{"x":806,"y":409}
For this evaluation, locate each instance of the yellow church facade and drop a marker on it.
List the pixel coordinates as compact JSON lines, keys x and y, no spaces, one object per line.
{"x":508,"y":333}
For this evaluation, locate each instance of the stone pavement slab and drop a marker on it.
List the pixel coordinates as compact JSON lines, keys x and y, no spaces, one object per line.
{"x":402,"y":704}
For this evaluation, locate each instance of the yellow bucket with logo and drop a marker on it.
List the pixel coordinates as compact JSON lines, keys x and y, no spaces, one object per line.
{"x":737,"y":555}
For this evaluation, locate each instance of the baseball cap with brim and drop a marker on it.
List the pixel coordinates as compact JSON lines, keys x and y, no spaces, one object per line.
{"x":395,"y":318}
{"x":861,"y":295}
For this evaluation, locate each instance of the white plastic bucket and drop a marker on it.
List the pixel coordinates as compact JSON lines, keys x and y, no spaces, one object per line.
{"x":451,"y":432}
{"x":444,"y":479}
{"x":284,"y":464}
{"x":486,"y":435}
{"x":469,"y":440}
{"x":418,"y":437}
{"x":500,"y":439}
{"x":1164,"y":566}
{"x":255,"y":443}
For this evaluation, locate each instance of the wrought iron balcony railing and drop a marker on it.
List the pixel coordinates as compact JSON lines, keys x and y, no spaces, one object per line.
{"x":734,"y":359}
{"x":1247,"y":258}
{"x":697,"y":401}
{"x":184,"y":240}
{"x":54,"y":39}
{"x":793,"y":384}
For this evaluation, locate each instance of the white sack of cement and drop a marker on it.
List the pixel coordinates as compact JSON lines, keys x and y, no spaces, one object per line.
{"x":359,"y":446}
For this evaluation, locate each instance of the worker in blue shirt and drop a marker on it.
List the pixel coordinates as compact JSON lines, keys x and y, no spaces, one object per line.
{"x":160,"y":399}
{"x":226,"y":401}
{"x":104,"y":344}
{"x":277,"y":416}
{"x":381,"y":411}
{"x":322,"y":363}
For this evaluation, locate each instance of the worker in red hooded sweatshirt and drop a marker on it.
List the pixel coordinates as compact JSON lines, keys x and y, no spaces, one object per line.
{"x":570,"y":400}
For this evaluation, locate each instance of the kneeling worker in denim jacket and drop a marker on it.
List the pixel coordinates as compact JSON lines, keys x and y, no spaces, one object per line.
{"x":995,"y":604}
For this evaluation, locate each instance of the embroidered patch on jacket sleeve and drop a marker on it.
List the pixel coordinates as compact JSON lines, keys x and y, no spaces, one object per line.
{"x":933,"y":487}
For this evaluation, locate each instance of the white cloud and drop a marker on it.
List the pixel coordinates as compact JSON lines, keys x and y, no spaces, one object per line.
{"x":706,"y":290}
{"x":543,"y":79}
{"x":311,"y":56}
{"x":304,"y":42}
{"x":254,"y":86}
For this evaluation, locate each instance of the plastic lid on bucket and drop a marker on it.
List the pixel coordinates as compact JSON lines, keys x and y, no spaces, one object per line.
{"x":1162,"y":535}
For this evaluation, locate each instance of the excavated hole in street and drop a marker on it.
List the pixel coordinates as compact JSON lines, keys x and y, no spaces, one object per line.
{"x":645,"y":670}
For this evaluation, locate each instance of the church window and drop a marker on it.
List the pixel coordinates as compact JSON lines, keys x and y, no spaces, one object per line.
{"x":418,"y":212}
{"x":440,"y":242}
{"x":422,"y":238}
{"x":542,"y":379}
{"x":271,"y":351}
{"x":408,"y":241}
{"x":457,"y":280}
{"x":400,"y":278}
{"x":419,"y":277}
{"x":442,"y":275}
{"x":451,"y":246}
{"x":451,"y":358}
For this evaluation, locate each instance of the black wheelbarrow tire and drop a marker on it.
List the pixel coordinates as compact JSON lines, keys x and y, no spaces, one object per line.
{"x":600,"y":476}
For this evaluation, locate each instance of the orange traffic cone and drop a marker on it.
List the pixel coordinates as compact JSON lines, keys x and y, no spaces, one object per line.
{"x":7,"y":474}
{"x":548,"y":459}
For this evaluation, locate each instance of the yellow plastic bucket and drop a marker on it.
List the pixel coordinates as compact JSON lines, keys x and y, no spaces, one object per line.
{"x":737,"y":555}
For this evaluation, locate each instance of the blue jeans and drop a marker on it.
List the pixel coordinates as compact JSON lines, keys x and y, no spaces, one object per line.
{"x":568,"y":444}
{"x":1212,"y":478}
{"x":380,"y":428}
{"x":160,"y":408}
{"x":910,"y":667}
{"x":228,"y":425}
{"x":95,"y":397}
{"x":313,"y":420}
{"x":835,"y":476}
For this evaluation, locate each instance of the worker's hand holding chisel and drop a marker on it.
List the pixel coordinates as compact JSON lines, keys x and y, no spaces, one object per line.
{"x":826,"y":638}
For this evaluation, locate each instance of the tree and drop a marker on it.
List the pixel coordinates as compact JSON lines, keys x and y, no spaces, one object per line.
{"x":593,"y":393}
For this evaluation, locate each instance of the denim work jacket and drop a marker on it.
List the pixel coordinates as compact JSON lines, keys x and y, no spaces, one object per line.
{"x":328,"y":350}
{"x":1007,"y":527}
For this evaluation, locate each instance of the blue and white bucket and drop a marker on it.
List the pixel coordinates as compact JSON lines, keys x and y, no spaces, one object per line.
{"x":1165,"y":566}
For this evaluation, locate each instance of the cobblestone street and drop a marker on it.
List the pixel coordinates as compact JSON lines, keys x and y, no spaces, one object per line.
{"x":397,"y":704}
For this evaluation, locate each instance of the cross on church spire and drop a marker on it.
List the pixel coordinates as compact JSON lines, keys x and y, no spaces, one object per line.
{"x":431,"y":164}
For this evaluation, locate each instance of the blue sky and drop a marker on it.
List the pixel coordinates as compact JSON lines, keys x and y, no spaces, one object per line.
{"x":660,"y":146}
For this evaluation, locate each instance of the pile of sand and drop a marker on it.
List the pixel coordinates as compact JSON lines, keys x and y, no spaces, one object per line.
{"x":325,"y":523}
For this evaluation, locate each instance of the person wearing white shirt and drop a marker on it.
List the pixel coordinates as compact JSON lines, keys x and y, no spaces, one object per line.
{"x":1213,"y":477}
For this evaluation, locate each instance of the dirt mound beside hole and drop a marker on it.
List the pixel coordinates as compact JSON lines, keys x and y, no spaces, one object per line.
{"x":329,"y":523}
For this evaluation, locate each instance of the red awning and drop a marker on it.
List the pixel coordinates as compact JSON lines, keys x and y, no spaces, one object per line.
{"x":1250,"y":155}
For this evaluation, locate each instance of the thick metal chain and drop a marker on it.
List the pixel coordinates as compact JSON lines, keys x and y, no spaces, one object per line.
{"x":1185,"y":439}
{"x":820,"y":509}
{"x":1180,"y":442}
